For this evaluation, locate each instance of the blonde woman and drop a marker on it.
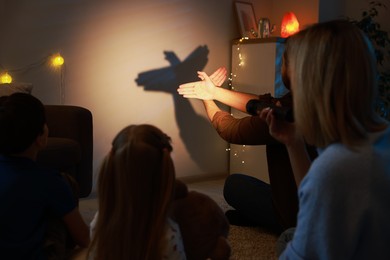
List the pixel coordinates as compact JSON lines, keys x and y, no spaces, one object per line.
{"x":135,"y":189}
{"x":344,"y":194}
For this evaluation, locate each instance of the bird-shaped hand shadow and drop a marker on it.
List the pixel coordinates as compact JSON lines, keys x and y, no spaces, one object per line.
{"x":196,"y":132}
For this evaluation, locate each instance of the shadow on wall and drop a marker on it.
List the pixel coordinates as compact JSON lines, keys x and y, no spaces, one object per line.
{"x":195,"y":131}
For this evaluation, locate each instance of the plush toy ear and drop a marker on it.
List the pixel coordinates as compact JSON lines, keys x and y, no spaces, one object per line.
{"x":202,"y":223}
{"x":181,"y":190}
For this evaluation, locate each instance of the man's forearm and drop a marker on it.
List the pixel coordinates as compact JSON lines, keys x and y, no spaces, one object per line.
{"x":235,"y":99}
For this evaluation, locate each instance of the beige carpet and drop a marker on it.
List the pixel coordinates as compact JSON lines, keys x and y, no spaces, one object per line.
{"x":248,"y":242}
{"x":252,"y":243}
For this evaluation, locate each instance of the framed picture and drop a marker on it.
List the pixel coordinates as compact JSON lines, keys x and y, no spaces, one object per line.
{"x":246,"y":19}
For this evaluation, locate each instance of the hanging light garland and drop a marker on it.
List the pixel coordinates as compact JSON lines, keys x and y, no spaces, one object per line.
{"x":5,"y":77}
{"x":239,"y":64}
{"x":56,"y":61}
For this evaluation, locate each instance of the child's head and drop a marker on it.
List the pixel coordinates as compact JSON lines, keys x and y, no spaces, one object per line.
{"x":135,"y":188}
{"x":22,"y":120}
{"x":139,"y":164}
{"x":333,"y":80}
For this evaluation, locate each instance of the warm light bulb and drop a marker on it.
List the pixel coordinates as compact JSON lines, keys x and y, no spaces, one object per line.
{"x":290,"y":25}
{"x":5,"y":78}
{"x":57,"y":60}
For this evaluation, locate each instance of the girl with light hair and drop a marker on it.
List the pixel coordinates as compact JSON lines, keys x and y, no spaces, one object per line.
{"x":135,"y":189}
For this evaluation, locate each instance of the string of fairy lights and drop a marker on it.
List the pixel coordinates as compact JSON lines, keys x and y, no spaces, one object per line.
{"x":55,"y":61}
{"x":237,"y":66}
{"x":289,"y":26}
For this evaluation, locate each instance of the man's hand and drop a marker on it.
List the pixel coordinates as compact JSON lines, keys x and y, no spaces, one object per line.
{"x":218,"y":77}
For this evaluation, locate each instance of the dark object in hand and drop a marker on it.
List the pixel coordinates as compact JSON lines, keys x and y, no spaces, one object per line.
{"x":254,"y":106}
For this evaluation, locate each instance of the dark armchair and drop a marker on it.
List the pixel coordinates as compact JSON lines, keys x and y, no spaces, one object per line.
{"x":70,"y":144}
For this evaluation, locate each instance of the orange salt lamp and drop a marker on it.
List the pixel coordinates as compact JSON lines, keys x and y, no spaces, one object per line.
{"x":290,"y":25}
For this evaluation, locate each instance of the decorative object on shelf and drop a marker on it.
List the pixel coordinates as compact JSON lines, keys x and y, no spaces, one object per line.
{"x":264,"y":28}
{"x":381,"y":42}
{"x":247,"y":19}
{"x":290,"y":25}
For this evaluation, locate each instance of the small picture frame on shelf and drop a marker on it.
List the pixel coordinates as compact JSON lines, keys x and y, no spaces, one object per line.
{"x":246,"y":19}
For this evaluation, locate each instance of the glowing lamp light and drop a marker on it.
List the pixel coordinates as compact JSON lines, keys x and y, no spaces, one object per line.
{"x":5,"y":78}
{"x":290,"y":25}
{"x":57,"y":60}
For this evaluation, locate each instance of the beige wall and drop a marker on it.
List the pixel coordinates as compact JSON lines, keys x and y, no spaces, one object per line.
{"x":107,"y":45}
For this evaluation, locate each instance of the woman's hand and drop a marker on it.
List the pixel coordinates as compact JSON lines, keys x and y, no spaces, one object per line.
{"x":281,"y":130}
{"x":286,"y":133}
{"x":203,"y":89}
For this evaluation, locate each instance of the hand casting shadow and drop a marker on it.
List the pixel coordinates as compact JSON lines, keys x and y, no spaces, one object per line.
{"x":195,"y":131}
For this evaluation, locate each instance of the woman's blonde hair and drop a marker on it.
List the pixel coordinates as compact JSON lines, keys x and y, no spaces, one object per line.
{"x":333,"y":76}
{"x":135,"y":187}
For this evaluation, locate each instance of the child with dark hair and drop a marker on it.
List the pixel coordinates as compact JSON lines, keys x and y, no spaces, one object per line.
{"x":30,"y":195}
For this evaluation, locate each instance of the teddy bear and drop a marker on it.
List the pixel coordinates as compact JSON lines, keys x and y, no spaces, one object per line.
{"x":202,"y":223}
